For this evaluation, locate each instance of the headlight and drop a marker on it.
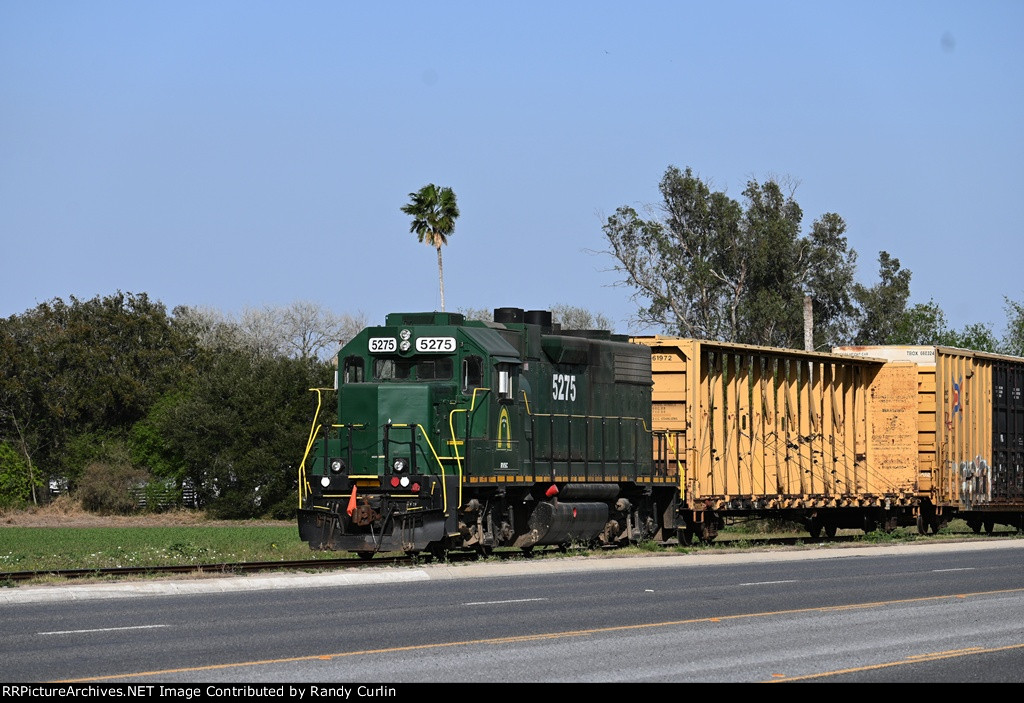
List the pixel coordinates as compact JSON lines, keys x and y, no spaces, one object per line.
{"x":337,"y":465}
{"x":401,"y":465}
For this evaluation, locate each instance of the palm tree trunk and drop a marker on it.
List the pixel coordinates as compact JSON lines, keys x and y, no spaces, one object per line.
{"x":440,"y":275}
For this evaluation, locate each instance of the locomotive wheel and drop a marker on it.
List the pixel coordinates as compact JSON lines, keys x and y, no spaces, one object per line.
{"x":684,"y":535}
{"x":922,"y":525}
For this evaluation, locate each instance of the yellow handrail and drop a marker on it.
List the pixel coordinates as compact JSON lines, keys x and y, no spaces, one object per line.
{"x":451,"y":428}
{"x":444,"y":485}
{"x":304,"y":488}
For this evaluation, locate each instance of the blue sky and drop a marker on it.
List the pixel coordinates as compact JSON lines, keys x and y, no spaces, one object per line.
{"x":232,"y":154}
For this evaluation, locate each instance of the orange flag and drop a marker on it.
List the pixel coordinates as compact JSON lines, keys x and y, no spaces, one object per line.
{"x":352,"y":502}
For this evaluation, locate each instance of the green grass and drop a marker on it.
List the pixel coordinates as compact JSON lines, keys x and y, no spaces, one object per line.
{"x":48,"y":548}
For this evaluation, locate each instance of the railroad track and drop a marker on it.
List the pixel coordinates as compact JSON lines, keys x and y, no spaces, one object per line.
{"x":726,"y":542}
{"x":226,"y":568}
{"x":240,"y":567}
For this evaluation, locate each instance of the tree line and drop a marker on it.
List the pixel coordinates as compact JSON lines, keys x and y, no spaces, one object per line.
{"x":702,"y":264}
{"x":108,"y":396}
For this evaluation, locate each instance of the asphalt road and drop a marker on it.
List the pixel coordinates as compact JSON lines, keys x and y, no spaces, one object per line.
{"x":920,"y":612}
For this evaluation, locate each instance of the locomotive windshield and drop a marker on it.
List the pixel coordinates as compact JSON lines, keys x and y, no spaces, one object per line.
{"x":432,"y":369}
{"x":472,"y":373}
{"x":353,"y":371}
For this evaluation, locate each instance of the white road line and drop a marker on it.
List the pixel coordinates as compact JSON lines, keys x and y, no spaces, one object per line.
{"x":501,"y":602}
{"x":101,"y":629}
{"x":962,"y":568}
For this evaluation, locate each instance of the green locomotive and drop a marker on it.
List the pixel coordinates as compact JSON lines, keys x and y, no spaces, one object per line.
{"x":462,"y":434}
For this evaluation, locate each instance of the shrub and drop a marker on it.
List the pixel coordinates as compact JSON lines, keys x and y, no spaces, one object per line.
{"x":16,"y":481}
{"x":107,"y":487}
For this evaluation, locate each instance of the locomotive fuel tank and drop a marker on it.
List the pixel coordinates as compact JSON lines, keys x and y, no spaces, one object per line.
{"x":554,"y":522}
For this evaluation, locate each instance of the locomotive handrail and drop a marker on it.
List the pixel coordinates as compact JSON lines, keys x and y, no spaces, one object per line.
{"x":451,"y":428}
{"x":526,"y":401}
{"x":636,"y":423}
{"x":304,"y":487}
{"x":440,"y":464}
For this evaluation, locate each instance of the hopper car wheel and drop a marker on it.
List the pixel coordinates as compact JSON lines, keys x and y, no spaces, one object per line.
{"x":830,"y":530}
{"x":365,"y":556}
{"x":684,"y":535}
{"x":928,"y":523}
{"x":990,"y":526}
{"x":975,"y":526}
{"x":924,"y":524}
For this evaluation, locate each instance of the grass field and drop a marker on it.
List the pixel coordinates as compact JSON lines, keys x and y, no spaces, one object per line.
{"x":44,"y":548}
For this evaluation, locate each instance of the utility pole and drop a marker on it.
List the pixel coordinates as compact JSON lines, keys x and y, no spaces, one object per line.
{"x":808,"y":324}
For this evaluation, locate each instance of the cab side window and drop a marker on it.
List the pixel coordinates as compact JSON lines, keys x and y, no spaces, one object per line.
{"x":472,"y":373}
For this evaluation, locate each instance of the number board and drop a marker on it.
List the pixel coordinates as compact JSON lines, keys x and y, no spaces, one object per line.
{"x":439,"y":345}
{"x":382,"y":345}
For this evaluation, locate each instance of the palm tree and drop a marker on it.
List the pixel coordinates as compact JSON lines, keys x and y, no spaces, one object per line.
{"x":433,"y":211}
